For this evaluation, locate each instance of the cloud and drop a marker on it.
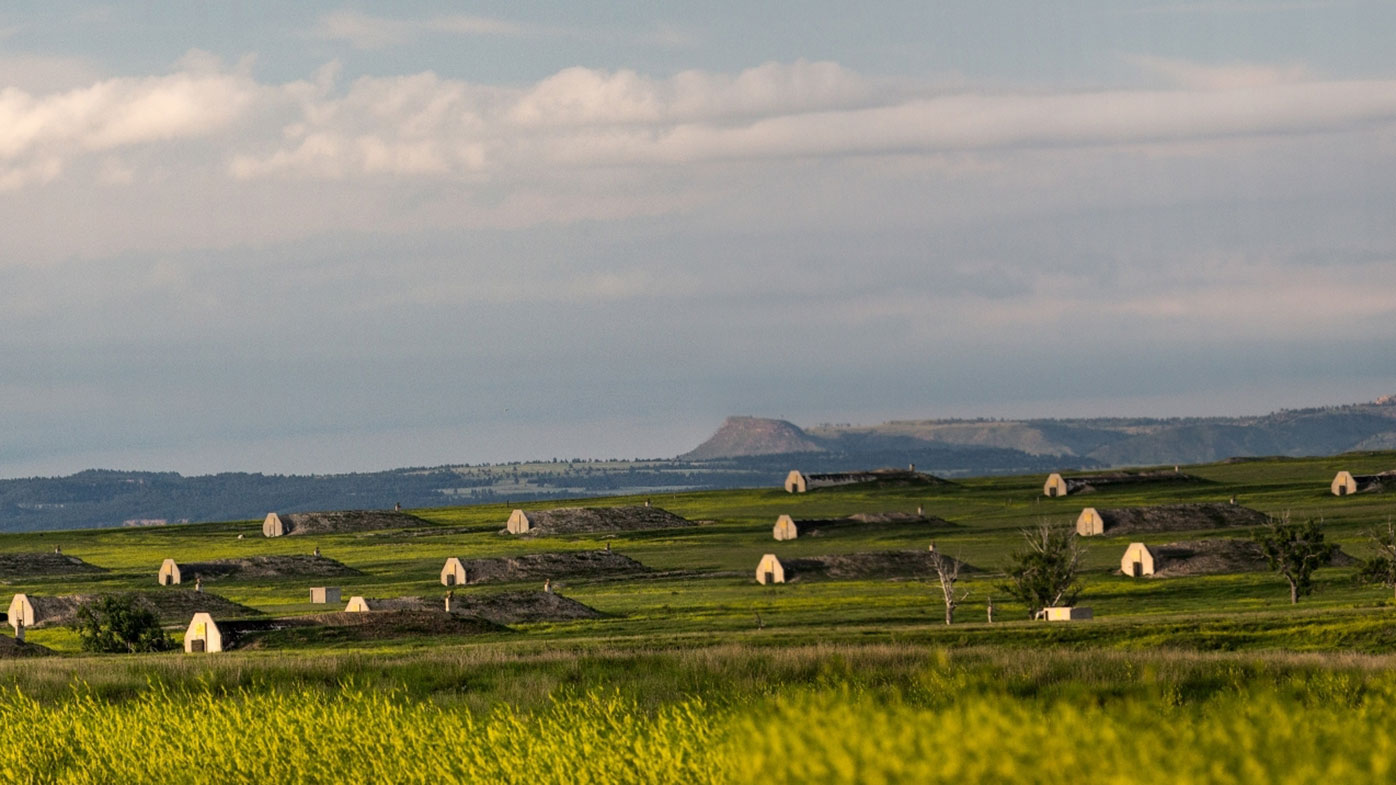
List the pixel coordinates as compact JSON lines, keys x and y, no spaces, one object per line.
{"x":425,"y":125}
{"x":1232,"y":76}
{"x":363,"y":31}
{"x":423,"y":151}
{"x":45,"y":73}
{"x":367,"y":32}
{"x":40,"y":133}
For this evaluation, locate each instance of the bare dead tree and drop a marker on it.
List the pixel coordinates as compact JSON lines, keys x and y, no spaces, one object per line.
{"x":948,"y":571}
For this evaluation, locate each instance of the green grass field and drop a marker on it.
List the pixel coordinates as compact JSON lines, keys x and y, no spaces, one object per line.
{"x":691,"y":687}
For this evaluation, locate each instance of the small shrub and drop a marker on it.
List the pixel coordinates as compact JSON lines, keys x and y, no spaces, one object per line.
{"x":116,"y":624}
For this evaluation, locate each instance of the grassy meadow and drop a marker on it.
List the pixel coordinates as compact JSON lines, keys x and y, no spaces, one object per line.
{"x":698,"y":674}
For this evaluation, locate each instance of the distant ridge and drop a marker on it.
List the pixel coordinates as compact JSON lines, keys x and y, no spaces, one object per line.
{"x":742,"y":436}
{"x":1106,"y":441}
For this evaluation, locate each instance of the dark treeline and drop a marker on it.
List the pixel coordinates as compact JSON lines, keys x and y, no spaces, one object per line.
{"x":100,"y":498}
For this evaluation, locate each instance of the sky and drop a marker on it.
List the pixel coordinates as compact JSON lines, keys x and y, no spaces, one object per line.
{"x":320,"y":237}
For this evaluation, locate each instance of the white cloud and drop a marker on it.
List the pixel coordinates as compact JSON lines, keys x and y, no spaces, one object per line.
{"x":45,"y":73}
{"x":119,"y":112}
{"x":363,"y":31}
{"x":580,"y":117}
{"x":1231,"y":76}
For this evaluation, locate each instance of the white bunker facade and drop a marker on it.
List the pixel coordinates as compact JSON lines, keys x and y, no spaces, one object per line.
{"x":202,"y":635}
{"x":453,"y":573}
{"x":169,"y":573}
{"x":274,"y":526}
{"x":519,"y":522}
{"x":1138,"y":560}
{"x":769,"y":570}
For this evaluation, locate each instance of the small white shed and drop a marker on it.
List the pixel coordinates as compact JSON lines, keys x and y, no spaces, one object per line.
{"x":1138,"y":560}
{"x":21,"y":609}
{"x":1067,"y":613}
{"x":1344,"y":484}
{"x":454,"y":573}
{"x":785,"y":528}
{"x":203,"y":635}
{"x":357,"y":605}
{"x":1055,"y":485}
{"x":770,"y":570}
{"x":1089,"y":523}
{"x":325,"y":595}
{"x":169,"y":573}
{"x":519,"y":522}
{"x":273,"y":526}
{"x":796,"y":482}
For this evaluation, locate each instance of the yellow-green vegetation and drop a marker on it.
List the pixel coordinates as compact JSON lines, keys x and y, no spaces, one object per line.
{"x":695,"y":673}
{"x":857,"y":715}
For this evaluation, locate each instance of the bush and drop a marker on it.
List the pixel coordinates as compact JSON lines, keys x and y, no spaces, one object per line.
{"x":115,"y":623}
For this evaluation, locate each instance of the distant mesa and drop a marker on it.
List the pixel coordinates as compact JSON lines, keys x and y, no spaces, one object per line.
{"x":800,"y":482}
{"x":743,"y":436}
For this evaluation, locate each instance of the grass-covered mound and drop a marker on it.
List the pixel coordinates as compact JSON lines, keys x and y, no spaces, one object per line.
{"x":264,"y":567}
{"x":870,"y":564}
{"x":43,"y":564}
{"x":589,"y":520}
{"x":543,"y":566}
{"x":346,"y":521}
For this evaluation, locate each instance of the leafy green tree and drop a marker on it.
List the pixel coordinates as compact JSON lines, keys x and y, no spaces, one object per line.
{"x":1045,"y":573}
{"x":1380,"y":569}
{"x":1295,"y":550}
{"x":116,"y":623}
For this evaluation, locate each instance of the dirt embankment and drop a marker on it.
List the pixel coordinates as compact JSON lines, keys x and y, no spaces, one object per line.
{"x":11,"y":649}
{"x":258,"y":567}
{"x":1179,"y":517}
{"x":1094,"y":482}
{"x":872,"y":564}
{"x":43,"y":564}
{"x":586,"y":520}
{"x":510,"y":607}
{"x":347,"y":521}
{"x":542,"y":566}
{"x":1211,"y":557}
{"x":523,"y":606}
{"x":330,"y":628}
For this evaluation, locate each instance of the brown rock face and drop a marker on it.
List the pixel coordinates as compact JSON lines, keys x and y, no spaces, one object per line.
{"x":740,"y":436}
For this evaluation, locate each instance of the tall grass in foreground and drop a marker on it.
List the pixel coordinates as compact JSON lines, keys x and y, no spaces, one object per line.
{"x":807,"y":735}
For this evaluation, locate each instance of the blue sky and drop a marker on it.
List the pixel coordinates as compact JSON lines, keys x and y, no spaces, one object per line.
{"x":324,"y":237}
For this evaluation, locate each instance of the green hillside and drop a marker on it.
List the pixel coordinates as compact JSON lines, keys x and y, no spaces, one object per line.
{"x":692,"y":672}
{"x":701,"y":587}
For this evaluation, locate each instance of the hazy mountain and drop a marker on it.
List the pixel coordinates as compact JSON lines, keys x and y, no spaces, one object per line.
{"x":742,"y":436}
{"x":1107,"y":441}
